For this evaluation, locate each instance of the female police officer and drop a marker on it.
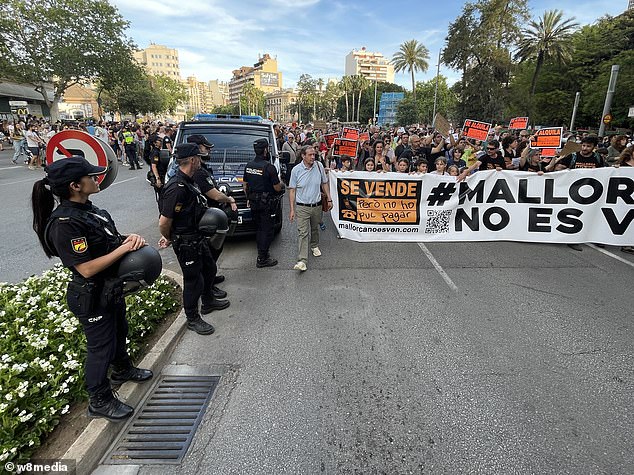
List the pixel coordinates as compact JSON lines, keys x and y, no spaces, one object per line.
{"x":87,"y":242}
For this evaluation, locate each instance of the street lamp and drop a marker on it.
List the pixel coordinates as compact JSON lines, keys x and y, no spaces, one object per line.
{"x":433,"y":117}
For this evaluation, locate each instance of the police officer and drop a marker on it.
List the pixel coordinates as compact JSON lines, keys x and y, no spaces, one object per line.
{"x":87,"y":241}
{"x":182,"y":206}
{"x":130,"y":149}
{"x":263,"y":188}
{"x":204,"y":179}
{"x":158,"y":167}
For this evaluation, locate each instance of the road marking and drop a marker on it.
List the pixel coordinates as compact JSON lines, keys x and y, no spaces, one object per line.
{"x":11,"y":168}
{"x":32,"y":180}
{"x":123,"y":181}
{"x":608,"y":253}
{"x":438,"y":267}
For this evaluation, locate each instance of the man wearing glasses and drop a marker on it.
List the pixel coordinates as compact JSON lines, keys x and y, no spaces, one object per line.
{"x":524,"y":135}
{"x":491,"y":160}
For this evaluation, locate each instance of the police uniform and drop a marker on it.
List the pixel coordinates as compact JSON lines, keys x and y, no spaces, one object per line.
{"x":261,"y":176}
{"x":183,"y":202}
{"x":78,"y":233}
{"x":130,"y":149}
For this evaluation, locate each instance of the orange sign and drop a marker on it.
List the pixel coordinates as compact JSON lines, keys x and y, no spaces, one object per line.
{"x":548,"y":137}
{"x":607,"y":118}
{"x":364,"y":137}
{"x":344,"y":147}
{"x":475,"y":129}
{"x":330,"y":139}
{"x":548,"y":152}
{"x":350,"y":133}
{"x":518,"y":123}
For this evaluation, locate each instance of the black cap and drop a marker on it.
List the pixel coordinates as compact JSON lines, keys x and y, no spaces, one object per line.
{"x":260,"y":144}
{"x":154,"y":138}
{"x":186,"y":150}
{"x":68,"y":170}
{"x":199,"y":140}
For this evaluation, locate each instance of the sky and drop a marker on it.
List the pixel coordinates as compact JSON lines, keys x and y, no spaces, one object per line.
{"x":308,"y":36}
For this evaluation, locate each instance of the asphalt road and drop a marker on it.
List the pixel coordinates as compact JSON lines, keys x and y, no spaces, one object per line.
{"x":503,"y":358}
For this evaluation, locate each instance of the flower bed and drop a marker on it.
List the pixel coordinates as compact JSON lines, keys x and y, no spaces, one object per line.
{"x":42,"y":351}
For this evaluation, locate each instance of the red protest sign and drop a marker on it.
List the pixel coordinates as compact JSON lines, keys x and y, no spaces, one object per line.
{"x":364,"y":137}
{"x":518,"y":123}
{"x":548,"y":152}
{"x":475,"y":129}
{"x":330,"y":139}
{"x":548,"y":137}
{"x":344,"y":147}
{"x":350,"y":133}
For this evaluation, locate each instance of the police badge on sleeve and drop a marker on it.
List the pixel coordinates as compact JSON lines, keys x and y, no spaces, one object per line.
{"x":80,"y":245}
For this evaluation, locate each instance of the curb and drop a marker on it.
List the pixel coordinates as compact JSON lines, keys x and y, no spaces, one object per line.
{"x":99,"y":434}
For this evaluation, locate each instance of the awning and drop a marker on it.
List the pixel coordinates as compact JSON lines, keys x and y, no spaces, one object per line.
{"x":22,"y":91}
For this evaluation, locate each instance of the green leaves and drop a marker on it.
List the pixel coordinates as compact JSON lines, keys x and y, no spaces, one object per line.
{"x":412,"y":56}
{"x":42,"y":353}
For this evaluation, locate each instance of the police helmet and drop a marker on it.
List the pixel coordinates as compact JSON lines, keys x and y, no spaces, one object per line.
{"x":260,"y":145}
{"x":139,"y":269}
{"x":214,"y":225}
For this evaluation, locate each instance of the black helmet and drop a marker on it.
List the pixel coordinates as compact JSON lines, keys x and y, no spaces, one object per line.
{"x":260,"y":145}
{"x":139,"y":269}
{"x":214,"y":225}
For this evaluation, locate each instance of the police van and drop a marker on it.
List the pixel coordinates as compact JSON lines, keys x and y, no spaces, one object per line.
{"x":233,"y":138}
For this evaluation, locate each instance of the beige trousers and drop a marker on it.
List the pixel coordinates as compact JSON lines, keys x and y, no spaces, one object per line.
{"x":307,"y":221}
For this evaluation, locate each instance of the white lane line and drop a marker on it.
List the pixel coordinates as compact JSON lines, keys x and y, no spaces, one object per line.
{"x":608,"y":253}
{"x":32,"y":180}
{"x":123,"y":181}
{"x":438,"y":267}
{"x":11,"y":168}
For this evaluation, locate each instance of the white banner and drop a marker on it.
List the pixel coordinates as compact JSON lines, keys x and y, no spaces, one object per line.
{"x":570,"y":206}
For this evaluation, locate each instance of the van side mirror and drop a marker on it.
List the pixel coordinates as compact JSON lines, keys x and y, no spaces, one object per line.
{"x":285,"y":157}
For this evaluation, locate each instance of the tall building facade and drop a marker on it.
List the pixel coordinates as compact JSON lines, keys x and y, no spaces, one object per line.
{"x":387,"y":107}
{"x":630,"y":5}
{"x":278,"y":104}
{"x":373,"y":66}
{"x":219,"y":91}
{"x":264,"y":75}
{"x":159,"y":60}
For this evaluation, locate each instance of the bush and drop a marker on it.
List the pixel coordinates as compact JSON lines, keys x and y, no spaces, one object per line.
{"x":43,"y":349}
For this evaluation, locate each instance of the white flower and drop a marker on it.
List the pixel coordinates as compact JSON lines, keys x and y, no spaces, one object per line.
{"x":5,"y":358}
{"x":65,"y":409}
{"x":3,"y":407}
{"x":9,"y":397}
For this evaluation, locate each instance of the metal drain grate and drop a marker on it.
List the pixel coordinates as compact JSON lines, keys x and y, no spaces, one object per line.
{"x":162,"y":429}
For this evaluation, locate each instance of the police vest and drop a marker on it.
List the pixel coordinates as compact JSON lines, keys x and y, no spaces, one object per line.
{"x":187,"y":222}
{"x":128,"y":137}
{"x":257,"y":179}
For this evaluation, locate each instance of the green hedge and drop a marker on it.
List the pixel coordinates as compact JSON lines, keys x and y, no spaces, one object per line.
{"x":42,"y":350}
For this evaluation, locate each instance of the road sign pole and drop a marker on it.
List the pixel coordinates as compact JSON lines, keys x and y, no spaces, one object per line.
{"x":574,"y":111}
{"x":608,"y":97}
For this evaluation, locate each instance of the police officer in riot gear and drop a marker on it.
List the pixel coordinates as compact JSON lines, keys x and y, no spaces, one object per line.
{"x":204,"y":179}
{"x":86,"y":240}
{"x":182,"y":206}
{"x":263,"y":189}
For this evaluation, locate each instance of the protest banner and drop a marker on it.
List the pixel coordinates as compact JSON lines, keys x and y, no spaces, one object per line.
{"x":330,"y":139}
{"x":571,"y":206}
{"x":518,"y":123}
{"x":344,"y":147}
{"x":350,"y":133}
{"x":475,"y":129}
{"x":547,"y":137}
{"x":442,"y":125}
{"x":363,"y":137}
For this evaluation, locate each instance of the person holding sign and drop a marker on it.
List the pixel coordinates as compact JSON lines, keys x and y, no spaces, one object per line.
{"x":308,"y":181}
{"x":585,"y":158}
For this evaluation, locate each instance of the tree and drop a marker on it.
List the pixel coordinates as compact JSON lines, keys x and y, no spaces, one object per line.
{"x":48,"y":41}
{"x":173,"y":92}
{"x":136,"y":96}
{"x":411,"y":56}
{"x":366,"y":108}
{"x":345,"y":85}
{"x":547,"y":38}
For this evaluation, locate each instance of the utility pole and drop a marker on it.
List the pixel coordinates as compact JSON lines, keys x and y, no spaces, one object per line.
{"x":433,"y":117}
{"x":376,"y":80}
{"x":574,"y":111}
{"x":608,"y":97}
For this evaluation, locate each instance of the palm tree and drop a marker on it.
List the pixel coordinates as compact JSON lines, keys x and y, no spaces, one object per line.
{"x":547,"y":38}
{"x":361,"y":84}
{"x":411,"y":56}
{"x":345,"y":85}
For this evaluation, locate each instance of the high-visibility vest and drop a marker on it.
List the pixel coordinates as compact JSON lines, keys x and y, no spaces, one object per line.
{"x":128,"y":137}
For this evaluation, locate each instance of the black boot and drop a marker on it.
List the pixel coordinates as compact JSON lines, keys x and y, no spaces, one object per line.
{"x":266,"y":261}
{"x":218,"y":293}
{"x":216,"y":304}
{"x":136,"y":375}
{"x":200,"y":326}
{"x":219,"y":279}
{"x":105,"y":404}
